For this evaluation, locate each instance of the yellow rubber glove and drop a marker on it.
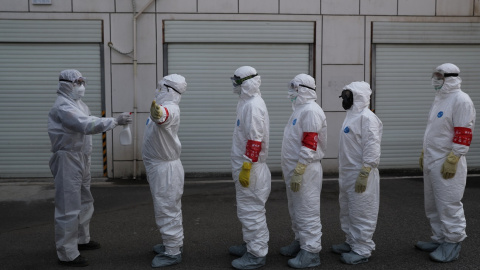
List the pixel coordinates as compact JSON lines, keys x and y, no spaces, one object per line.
{"x":297,"y":177}
{"x":362,"y":179}
{"x":421,"y":161}
{"x":244,"y":176}
{"x":155,"y":111}
{"x":449,"y":167}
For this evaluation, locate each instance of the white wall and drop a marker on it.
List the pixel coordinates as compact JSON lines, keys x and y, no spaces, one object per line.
{"x":342,"y":45}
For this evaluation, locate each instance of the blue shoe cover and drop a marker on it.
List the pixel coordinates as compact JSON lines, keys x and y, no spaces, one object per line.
{"x":249,"y":261}
{"x":446,"y":252}
{"x":341,"y":248}
{"x":353,"y":258}
{"x":160,"y":248}
{"x":305,"y":259}
{"x":239,"y":250}
{"x":291,"y":250}
{"x":427,"y":246}
{"x":164,"y":259}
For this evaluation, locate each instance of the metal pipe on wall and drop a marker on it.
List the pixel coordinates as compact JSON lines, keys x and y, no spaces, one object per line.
{"x":135,"y":107}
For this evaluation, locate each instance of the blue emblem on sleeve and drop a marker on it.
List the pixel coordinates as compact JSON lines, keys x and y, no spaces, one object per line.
{"x":346,"y":130}
{"x":238,"y":122}
{"x":294,"y":121}
{"x":148,"y":120}
{"x":440,"y":114}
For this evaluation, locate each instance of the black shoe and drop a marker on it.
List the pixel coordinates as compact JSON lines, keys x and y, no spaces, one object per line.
{"x":78,"y":262}
{"x":89,"y":246}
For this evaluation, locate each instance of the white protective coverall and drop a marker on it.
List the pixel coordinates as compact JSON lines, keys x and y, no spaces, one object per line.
{"x":70,"y":126}
{"x":449,"y":129}
{"x":305,"y":141}
{"x":250,"y":144}
{"x":161,"y":156}
{"x":359,"y":145}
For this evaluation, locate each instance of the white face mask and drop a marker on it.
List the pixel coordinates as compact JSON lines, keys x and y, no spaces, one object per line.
{"x":437,"y":84}
{"x":292,"y":95}
{"x":237,"y":90}
{"x":78,"y":92}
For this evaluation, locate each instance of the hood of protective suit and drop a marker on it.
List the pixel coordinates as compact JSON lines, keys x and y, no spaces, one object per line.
{"x":166,"y":95}
{"x":250,"y":87}
{"x":304,"y":94}
{"x":66,"y":88}
{"x":451,"y":83}
{"x":361,"y":95}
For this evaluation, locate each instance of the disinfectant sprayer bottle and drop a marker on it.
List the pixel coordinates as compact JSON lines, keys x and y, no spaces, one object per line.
{"x":126,"y":134}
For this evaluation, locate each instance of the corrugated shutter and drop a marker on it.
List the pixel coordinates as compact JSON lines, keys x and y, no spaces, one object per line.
{"x":28,"y":83}
{"x":404,"y":95}
{"x":421,"y":32}
{"x":209,"y":106}
{"x":83,"y":31}
{"x":239,"y":31}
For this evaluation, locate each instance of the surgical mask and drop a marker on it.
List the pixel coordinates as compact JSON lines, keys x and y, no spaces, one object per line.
{"x":292,"y":95}
{"x":437,"y":84}
{"x":78,"y":91}
{"x":347,"y":99}
{"x":237,"y":89}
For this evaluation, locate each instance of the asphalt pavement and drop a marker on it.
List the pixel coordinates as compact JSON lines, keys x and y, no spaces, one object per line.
{"x":124,"y":224}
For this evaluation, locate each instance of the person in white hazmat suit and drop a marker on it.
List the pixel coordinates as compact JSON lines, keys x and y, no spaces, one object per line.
{"x":161,"y":156}
{"x":446,"y":142}
{"x":249,"y":169}
{"x":359,"y":179}
{"x":304,"y":145}
{"x":70,"y":127}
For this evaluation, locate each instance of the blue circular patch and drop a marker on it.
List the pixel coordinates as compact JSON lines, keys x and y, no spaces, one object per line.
{"x":440,"y":114}
{"x":148,"y":120}
{"x":238,"y":122}
{"x":346,"y":130}
{"x":294,"y":121}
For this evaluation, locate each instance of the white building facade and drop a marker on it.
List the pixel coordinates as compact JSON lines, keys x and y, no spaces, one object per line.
{"x":392,"y":44}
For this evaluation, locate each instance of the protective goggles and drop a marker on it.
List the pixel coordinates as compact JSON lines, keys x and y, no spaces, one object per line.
{"x":238,"y":81}
{"x":79,"y":81}
{"x":346,"y":94}
{"x":168,"y":88}
{"x":440,"y":75}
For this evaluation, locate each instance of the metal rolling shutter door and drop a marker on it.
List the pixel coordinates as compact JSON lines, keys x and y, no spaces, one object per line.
{"x":28,"y":82}
{"x":209,"y":106}
{"x":404,"y":95}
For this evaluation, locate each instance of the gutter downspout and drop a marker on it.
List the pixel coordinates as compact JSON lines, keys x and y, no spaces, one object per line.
{"x":135,"y":107}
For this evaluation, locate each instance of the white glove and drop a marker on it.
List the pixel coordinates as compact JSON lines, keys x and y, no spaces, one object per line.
{"x":124,"y":119}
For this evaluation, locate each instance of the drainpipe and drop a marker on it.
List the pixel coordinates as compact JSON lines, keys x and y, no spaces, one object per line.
{"x":135,"y":87}
{"x":135,"y":107}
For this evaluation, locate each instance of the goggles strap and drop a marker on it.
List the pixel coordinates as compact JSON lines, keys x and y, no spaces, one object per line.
{"x":307,"y":87}
{"x":168,"y":86}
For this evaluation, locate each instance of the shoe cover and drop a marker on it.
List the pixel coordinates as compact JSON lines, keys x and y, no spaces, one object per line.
{"x":304,"y":259}
{"x":341,"y":248}
{"x":427,"y":246}
{"x":291,"y":250}
{"x":248,"y":261}
{"x":239,"y":250}
{"x":353,"y":258}
{"x":164,"y":259}
{"x":160,"y":248}
{"x":446,"y":252}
